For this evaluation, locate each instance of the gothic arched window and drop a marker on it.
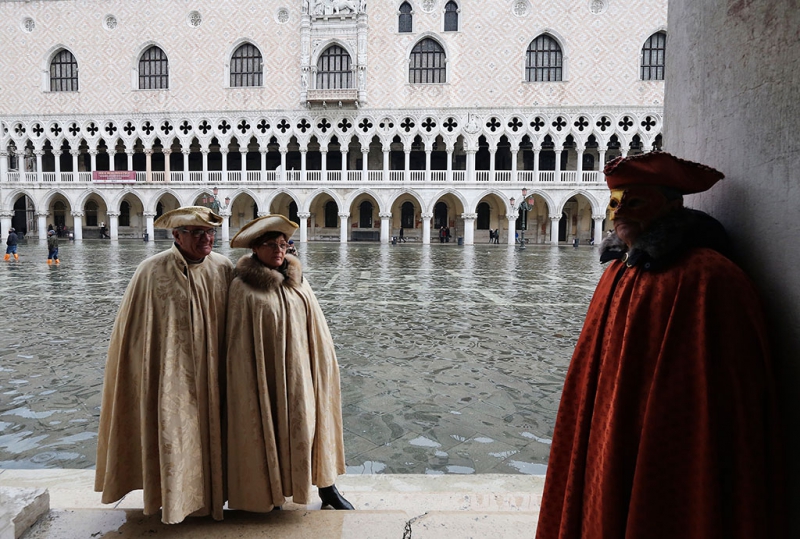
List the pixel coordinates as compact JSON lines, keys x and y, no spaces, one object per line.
{"x":404,"y":20}
{"x":653,"y":53}
{"x":451,"y":17}
{"x":247,"y":66}
{"x":333,"y":69}
{"x":427,"y":63}
{"x":544,"y":60}
{"x":153,"y":69}
{"x":64,"y":72}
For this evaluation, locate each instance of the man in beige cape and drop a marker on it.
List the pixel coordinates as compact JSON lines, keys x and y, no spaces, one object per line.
{"x":160,"y":426}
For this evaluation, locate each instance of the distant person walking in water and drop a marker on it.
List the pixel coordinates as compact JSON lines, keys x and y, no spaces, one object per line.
{"x":402,"y":236}
{"x":11,"y":245}
{"x":52,"y":247}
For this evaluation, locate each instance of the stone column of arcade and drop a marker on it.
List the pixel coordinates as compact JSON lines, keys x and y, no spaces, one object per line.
{"x":512,"y":226}
{"x":343,"y":217}
{"x":598,"y":228}
{"x":303,"y":216}
{"x":385,"y":226}
{"x":226,"y":224}
{"x":42,"y":224}
{"x":426,"y":228}
{"x":554,"y":229}
{"x":149,"y":218}
{"x":5,"y":222}
{"x":469,"y":227}
{"x":4,"y":165}
{"x":39,"y":172}
{"x":77,"y":225}
{"x":113,"y":224}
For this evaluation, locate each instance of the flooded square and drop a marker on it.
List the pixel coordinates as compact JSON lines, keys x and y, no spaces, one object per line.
{"x":452,"y":357}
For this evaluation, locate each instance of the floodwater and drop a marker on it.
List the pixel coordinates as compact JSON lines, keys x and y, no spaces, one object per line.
{"x":452,"y":357}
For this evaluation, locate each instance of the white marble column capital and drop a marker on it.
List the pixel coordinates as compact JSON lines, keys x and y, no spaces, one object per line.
{"x":79,"y":214}
{"x":385,"y":215}
{"x":469,"y":216}
{"x":303,"y":215}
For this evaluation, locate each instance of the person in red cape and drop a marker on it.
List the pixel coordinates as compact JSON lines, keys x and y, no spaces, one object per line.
{"x":668,"y":425}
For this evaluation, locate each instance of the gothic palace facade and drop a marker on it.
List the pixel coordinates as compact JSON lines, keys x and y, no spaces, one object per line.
{"x":353,"y":120}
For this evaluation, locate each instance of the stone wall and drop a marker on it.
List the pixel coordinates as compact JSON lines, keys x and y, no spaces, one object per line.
{"x":733,"y":101}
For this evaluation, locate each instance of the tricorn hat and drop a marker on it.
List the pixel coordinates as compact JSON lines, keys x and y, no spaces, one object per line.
{"x":258,"y":227}
{"x":662,"y":169}
{"x":188,"y":216}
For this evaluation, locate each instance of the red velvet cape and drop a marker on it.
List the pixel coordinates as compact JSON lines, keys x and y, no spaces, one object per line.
{"x":667,"y":426}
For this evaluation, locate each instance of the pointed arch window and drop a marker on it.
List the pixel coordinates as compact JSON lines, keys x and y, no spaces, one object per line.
{"x":544,"y":60}
{"x":653,"y":53}
{"x":404,"y":20}
{"x":247,"y":66}
{"x":333,"y":69}
{"x":64,"y":72}
{"x":451,"y":17}
{"x":427,"y":63}
{"x":153,"y":69}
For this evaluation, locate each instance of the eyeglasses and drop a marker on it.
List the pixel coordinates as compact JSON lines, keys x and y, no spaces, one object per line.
{"x":273,"y":245}
{"x":197,"y":233}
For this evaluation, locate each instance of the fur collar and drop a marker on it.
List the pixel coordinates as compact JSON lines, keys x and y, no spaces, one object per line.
{"x":250,"y":270}
{"x":667,"y":239}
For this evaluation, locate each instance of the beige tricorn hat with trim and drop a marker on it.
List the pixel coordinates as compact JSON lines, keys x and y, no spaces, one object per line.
{"x":188,"y":216}
{"x":258,"y":227}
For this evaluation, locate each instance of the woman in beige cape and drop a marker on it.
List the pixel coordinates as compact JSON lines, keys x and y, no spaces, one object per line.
{"x":284,"y":401}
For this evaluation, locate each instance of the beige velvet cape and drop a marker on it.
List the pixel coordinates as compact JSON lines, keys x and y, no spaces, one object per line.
{"x":160,"y":426}
{"x":284,"y":400}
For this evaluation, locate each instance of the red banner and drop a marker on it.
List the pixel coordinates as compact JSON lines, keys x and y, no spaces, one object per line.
{"x":114,"y":176}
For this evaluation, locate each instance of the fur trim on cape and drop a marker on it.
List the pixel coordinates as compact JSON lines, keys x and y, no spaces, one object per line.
{"x":668,"y":238}
{"x":252,"y":272}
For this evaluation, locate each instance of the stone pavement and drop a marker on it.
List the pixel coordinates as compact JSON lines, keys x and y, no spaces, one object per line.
{"x":388,"y":506}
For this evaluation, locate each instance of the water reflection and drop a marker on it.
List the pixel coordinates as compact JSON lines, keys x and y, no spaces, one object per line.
{"x":452,"y":358}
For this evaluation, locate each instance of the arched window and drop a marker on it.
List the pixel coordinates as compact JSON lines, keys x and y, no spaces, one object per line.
{"x":64,"y":72}
{"x":427,"y":63}
{"x":333,"y":69}
{"x":653,"y":54}
{"x":153,"y":70}
{"x":331,"y":215}
{"x":544,"y":60}
{"x":451,"y":17}
{"x":407,"y":215}
{"x":404,"y":20}
{"x":247,"y":67}
{"x":124,"y":214}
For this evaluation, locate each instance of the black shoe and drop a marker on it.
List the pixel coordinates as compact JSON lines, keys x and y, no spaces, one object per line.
{"x":330,"y":496}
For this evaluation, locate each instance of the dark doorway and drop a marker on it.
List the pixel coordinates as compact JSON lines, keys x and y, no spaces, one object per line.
{"x":365,"y":214}
{"x":562,"y":227}
{"x":440,"y":215}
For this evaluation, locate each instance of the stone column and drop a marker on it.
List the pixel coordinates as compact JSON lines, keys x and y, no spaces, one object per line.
{"x":449,"y":165}
{"x":226,"y":224}
{"x":284,"y":151}
{"x":580,"y":164}
{"x":554,"y":229}
{"x":303,"y":216}
{"x":148,"y":168}
{"x":4,"y":166}
{"x":536,"y":164}
{"x":130,"y":160}
{"x":512,"y":227}
{"x":469,"y":227}
{"x":113,"y":224}
{"x":185,"y":152}
{"x":5,"y":222}
{"x":243,"y":167}
{"x":75,"y":154}
{"x":38,"y":154}
{"x":557,"y":174}
{"x":77,"y":225}
{"x":386,"y":164}
{"x":343,"y":217}
{"x":470,"y":165}
{"x":224,"y":152}
{"x":598,"y":228}
{"x":57,"y":159}
{"x":149,"y":217}
{"x":365,"y":164}
{"x":601,"y":158}
{"x":492,"y":159}
{"x":514,"y":154}
{"x":427,"y":164}
{"x":385,"y":232}
{"x":345,"y":157}
{"x":324,"y":162}
{"x":42,"y":224}
{"x":167,"y":167}
{"x":426,"y":228}
{"x":92,"y":159}
{"x":111,"y":155}
{"x":204,"y":151}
